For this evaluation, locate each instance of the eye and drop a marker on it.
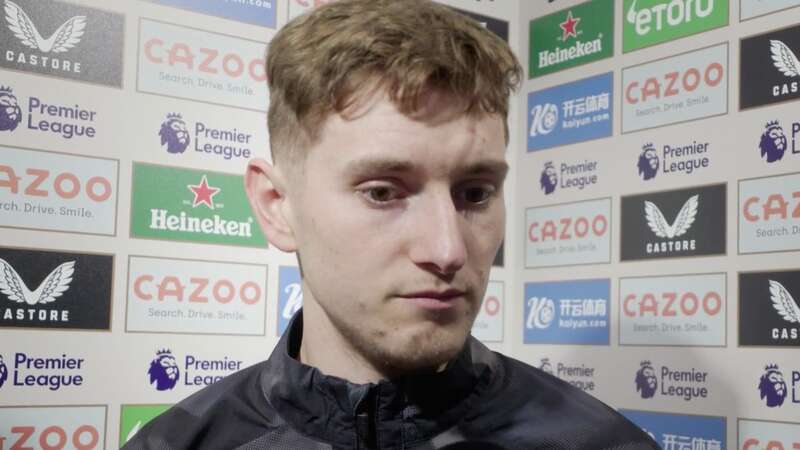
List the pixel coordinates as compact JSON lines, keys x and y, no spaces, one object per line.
{"x":381,"y":194}
{"x":475,"y":196}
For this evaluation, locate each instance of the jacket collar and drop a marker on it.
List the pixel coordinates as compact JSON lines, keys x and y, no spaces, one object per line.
{"x":409,"y":409}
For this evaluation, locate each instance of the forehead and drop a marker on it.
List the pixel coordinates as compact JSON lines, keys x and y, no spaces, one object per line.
{"x":438,"y":136}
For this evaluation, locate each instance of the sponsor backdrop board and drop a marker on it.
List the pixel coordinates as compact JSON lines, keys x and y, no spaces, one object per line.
{"x":138,"y":267}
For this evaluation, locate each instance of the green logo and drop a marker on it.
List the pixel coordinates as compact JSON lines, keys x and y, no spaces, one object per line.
{"x":134,"y":417}
{"x":192,"y":205}
{"x":651,"y":22}
{"x":571,"y":37}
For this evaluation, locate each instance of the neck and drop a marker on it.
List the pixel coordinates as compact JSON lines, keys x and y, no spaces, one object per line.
{"x":324,"y":348}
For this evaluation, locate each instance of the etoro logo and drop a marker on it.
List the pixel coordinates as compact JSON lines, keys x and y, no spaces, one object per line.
{"x":65,"y":40}
{"x":685,"y":310}
{"x":3,"y":372}
{"x":651,"y":22}
{"x":10,"y":112}
{"x":680,"y":88}
{"x":770,"y":69}
{"x":164,"y":372}
{"x":579,"y":35}
{"x":134,"y":417}
{"x":52,"y":287}
{"x":192,"y":205}
{"x":173,"y":134}
{"x":686,"y":384}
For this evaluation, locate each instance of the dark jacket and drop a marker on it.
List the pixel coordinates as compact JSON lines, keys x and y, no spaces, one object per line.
{"x":284,"y":404}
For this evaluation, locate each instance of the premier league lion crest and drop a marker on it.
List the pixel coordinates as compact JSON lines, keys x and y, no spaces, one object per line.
{"x":546,"y":367}
{"x":648,"y":162}
{"x":549,"y":178}
{"x":3,"y":372}
{"x":173,"y":133}
{"x":10,"y":112}
{"x":164,"y":371}
{"x":646,"y":381}
{"x":772,"y":386}
{"x":773,"y":142}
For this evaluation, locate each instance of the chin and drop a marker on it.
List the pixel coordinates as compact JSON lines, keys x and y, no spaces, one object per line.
{"x":424,"y":348}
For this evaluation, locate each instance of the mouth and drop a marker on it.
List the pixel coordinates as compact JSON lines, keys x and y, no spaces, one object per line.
{"x":435,"y":300}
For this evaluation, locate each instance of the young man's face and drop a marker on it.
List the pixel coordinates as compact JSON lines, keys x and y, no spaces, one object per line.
{"x":397,"y":221}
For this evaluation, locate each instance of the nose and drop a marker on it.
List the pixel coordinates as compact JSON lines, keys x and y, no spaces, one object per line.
{"x":438,"y":245}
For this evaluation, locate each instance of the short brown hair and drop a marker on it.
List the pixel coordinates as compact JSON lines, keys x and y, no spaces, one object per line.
{"x":318,"y":62}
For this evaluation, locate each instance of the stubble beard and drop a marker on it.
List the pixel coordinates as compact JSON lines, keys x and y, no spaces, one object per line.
{"x":395,"y":353}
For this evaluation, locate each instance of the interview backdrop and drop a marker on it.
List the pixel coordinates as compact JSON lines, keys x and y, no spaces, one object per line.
{"x":653,"y":222}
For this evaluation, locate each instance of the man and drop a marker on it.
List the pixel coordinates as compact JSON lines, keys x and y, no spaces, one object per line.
{"x":387,"y":125}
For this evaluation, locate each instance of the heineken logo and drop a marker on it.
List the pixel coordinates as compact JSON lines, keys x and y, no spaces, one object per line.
{"x":571,"y":37}
{"x":161,"y":219}
{"x":192,"y":205}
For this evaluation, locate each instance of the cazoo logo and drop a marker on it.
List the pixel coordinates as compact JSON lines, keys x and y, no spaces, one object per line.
{"x":570,"y":233}
{"x":198,"y":297}
{"x":685,"y":87}
{"x":684,"y":310}
{"x":182,"y":62}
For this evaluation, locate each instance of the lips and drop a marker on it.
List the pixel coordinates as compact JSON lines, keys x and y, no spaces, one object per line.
{"x":434,"y":300}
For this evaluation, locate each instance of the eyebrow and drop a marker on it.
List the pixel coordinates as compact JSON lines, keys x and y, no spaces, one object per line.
{"x":365,"y":167}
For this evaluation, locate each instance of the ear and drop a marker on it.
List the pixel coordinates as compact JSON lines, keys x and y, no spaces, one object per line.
{"x":266,"y":190}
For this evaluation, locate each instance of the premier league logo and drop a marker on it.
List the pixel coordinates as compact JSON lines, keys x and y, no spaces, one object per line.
{"x":173,"y":133}
{"x":646,"y":381}
{"x":10,"y":112}
{"x":3,"y":372}
{"x":546,"y":367}
{"x":164,"y":372}
{"x":773,"y":142}
{"x":549,"y":178}
{"x":772,"y":386}
{"x":648,"y":162}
